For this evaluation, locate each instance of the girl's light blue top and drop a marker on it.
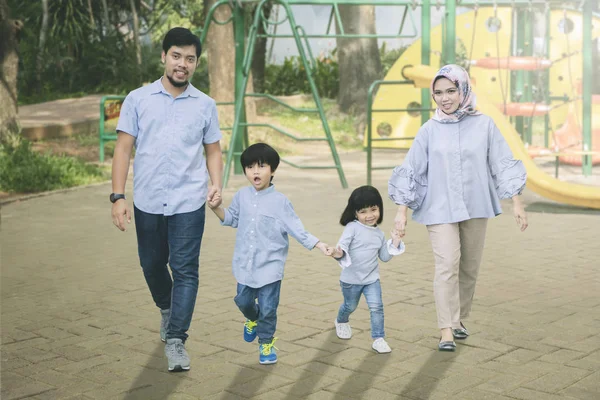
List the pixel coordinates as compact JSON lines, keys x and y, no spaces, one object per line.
{"x":457,"y":171}
{"x":362,"y":245}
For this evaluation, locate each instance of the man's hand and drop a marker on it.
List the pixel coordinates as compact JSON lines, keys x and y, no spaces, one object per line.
{"x":335,"y":252}
{"x":214,"y":198}
{"x":120,"y":213}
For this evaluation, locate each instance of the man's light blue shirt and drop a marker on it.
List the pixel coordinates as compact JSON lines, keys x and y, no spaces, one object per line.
{"x":263,"y":220}
{"x":169,"y":171}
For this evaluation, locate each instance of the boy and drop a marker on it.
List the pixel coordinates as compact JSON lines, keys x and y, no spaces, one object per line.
{"x":264,"y":218}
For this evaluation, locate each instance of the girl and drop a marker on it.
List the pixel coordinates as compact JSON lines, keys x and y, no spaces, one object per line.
{"x":357,"y":251}
{"x":453,"y":177}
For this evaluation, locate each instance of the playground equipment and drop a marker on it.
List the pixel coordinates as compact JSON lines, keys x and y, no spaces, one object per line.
{"x":504,"y":74}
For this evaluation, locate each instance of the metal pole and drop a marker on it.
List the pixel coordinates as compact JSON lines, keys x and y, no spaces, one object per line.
{"x":587,"y":87}
{"x":425,"y":55}
{"x":450,"y":32}
{"x":518,"y":92}
{"x":240,"y":89}
{"x":528,"y":16}
{"x":547,"y":77}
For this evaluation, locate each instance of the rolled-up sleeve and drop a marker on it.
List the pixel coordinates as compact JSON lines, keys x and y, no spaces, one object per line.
{"x":344,"y":244}
{"x":509,"y":175}
{"x":408,"y":184}
{"x":232,"y":213}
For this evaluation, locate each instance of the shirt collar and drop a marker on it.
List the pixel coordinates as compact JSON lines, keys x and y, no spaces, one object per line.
{"x":190,"y":90}
{"x":263,"y":192}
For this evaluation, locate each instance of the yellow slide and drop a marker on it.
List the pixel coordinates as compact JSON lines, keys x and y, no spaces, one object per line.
{"x":537,"y":180}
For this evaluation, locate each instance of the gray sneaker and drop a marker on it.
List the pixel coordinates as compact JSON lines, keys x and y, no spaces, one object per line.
{"x":164,"y":323}
{"x":176,"y":355}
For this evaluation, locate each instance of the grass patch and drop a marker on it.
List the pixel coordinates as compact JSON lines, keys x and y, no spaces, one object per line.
{"x":24,"y":170}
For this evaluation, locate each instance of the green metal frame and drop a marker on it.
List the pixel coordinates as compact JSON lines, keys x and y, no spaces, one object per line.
{"x":103,"y":137}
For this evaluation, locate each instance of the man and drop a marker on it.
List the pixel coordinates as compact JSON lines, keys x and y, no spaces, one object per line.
{"x":170,"y":122}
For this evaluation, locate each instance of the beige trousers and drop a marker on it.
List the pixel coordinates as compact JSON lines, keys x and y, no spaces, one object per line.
{"x":457,"y":249}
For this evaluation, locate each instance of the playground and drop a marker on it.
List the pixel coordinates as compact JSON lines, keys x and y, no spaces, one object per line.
{"x":78,"y":321}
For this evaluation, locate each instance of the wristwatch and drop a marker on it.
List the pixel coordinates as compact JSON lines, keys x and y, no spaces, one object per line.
{"x":116,"y":196}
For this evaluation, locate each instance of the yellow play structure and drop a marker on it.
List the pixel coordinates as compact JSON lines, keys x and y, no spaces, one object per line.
{"x":487,"y":41}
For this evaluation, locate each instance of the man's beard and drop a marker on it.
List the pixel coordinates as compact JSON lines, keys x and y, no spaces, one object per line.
{"x":175,"y":83}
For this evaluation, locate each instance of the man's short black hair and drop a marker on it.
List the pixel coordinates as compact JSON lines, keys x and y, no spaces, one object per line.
{"x":181,"y":37}
{"x":260,"y":153}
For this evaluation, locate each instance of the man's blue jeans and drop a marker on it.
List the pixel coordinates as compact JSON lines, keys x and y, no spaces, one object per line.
{"x":174,"y":240}
{"x":265,"y":312}
{"x":372,"y":294}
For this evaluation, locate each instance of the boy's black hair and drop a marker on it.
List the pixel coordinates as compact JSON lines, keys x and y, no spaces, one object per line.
{"x":260,"y":153}
{"x":362,"y":197}
{"x":181,"y":37}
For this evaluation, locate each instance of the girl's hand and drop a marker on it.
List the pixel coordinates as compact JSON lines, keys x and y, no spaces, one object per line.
{"x":337,"y":252}
{"x":519,"y":214}
{"x":400,"y":221}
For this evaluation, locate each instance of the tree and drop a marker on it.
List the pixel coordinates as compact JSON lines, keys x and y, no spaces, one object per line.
{"x":260,"y":52}
{"x":359,"y":60}
{"x":219,"y":48}
{"x":9,"y":64}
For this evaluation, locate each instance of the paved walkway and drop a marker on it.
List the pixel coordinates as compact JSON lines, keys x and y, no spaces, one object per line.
{"x":78,"y":321}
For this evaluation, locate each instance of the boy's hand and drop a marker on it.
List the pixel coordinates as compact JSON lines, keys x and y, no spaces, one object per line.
{"x":215,"y":201}
{"x":323,"y":247}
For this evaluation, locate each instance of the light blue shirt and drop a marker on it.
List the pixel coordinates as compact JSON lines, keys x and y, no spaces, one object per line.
{"x":169,"y":171}
{"x":457,"y":171}
{"x":263,"y":220}
{"x":362,"y":245}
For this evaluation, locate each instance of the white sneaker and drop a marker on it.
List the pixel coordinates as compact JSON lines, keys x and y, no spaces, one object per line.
{"x":343,"y":330}
{"x":381,"y":346}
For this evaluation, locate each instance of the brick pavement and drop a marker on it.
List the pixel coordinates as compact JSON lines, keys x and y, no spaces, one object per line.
{"x":78,"y":321}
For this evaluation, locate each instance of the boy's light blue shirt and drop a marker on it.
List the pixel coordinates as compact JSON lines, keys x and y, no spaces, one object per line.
{"x":263,"y":220}
{"x":362,"y":245}
{"x":169,"y":171}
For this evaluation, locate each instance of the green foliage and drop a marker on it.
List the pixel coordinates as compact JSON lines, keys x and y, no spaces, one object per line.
{"x":291,"y":78}
{"x":25,"y":171}
{"x":389,"y":57}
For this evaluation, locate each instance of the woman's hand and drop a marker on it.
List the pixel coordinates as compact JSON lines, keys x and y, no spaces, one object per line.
{"x":519,"y":213}
{"x":400,"y":221}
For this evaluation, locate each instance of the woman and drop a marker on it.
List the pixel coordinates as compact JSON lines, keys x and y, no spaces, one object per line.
{"x":453,"y":177}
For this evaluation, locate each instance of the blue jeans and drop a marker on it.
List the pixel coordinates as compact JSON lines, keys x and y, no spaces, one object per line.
{"x":372,"y":294}
{"x":174,"y":240}
{"x":265,"y":312}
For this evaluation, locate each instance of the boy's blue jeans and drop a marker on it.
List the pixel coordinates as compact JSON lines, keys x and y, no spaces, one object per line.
{"x":372,"y":294}
{"x":174,"y":240}
{"x":265,"y":312}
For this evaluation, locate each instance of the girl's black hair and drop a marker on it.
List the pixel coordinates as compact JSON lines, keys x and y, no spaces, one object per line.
{"x":181,"y":37}
{"x":362,"y":197}
{"x":260,"y":153}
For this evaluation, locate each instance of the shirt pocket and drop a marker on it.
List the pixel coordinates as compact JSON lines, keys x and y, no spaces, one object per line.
{"x":269,"y":227}
{"x":192,"y":130}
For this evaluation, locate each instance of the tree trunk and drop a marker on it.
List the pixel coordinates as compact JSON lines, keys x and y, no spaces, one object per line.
{"x":39,"y":67}
{"x":359,"y":60}
{"x":9,"y":64}
{"x":106,"y":19}
{"x":219,"y":48}
{"x":136,"y":33}
{"x":260,"y":54}
{"x":91,"y":11}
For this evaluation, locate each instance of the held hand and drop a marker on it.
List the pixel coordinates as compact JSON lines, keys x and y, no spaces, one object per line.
{"x":520,"y":216}
{"x":329,"y":251}
{"x":120,"y":212}
{"x":323,"y":247}
{"x":215,"y":201}
{"x":337,"y":252}
{"x":400,"y":223}
{"x":396,"y":238}
{"x":214,"y":198}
